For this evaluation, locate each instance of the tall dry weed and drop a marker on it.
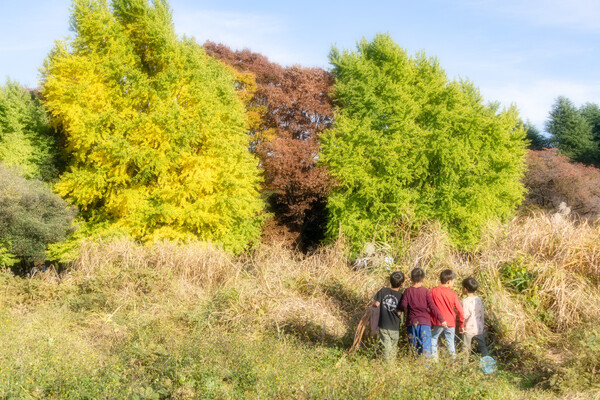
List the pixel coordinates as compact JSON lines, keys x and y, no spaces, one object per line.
{"x":561,"y":254}
{"x":198,"y":263}
{"x":323,"y":292}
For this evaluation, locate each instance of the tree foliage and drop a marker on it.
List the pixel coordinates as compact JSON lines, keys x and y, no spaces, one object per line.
{"x":26,"y":140}
{"x":571,"y":133}
{"x":537,"y":141}
{"x":154,"y":126}
{"x":409,"y":143}
{"x":31,"y":217}
{"x":551,"y":180}
{"x":290,"y":107}
{"x":591,"y":114}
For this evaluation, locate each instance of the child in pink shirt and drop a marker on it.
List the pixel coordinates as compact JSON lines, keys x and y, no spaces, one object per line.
{"x":474,"y":320}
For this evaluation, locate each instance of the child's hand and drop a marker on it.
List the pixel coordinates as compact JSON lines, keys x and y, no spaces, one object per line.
{"x":461,"y":331}
{"x":445,"y":324}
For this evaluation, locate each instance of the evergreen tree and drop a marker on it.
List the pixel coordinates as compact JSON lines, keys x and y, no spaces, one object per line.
{"x":537,"y":141}
{"x":408,"y":142}
{"x":156,"y":131}
{"x":571,"y":133}
{"x":26,"y":140}
{"x":591,"y":113}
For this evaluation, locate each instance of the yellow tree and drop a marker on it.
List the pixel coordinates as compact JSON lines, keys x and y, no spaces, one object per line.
{"x":154,"y":127}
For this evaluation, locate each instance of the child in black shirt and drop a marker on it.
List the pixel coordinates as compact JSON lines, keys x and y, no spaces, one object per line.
{"x":388,"y":299}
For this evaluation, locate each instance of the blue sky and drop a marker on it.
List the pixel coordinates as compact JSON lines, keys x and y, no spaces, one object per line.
{"x":525,"y":52}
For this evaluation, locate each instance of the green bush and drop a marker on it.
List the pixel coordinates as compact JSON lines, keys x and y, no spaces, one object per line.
{"x":31,"y":217}
{"x":518,"y":276}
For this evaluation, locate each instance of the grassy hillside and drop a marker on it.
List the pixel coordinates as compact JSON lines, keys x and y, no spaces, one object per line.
{"x":187,"y":322}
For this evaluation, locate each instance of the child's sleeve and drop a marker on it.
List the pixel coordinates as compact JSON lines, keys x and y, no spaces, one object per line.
{"x":460,"y":313}
{"x":467,"y":310}
{"x":433,"y":308}
{"x":404,"y":302}
{"x":480,"y":314}
{"x":399,"y":309}
{"x":377,"y":296}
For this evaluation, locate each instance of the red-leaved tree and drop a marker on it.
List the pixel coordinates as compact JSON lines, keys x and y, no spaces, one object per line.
{"x":552,"y":179}
{"x":293,"y":107}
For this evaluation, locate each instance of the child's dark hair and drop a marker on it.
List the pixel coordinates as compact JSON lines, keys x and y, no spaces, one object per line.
{"x":470,"y":284}
{"x":417,"y":275}
{"x":447,"y":275}
{"x":396,"y":279}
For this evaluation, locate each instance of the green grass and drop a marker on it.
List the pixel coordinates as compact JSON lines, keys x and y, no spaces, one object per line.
{"x":65,"y":341}
{"x":174,"y":322}
{"x":52,"y":352}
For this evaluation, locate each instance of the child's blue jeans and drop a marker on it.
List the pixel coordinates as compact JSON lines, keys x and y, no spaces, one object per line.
{"x":419,"y":338}
{"x":436,"y":332}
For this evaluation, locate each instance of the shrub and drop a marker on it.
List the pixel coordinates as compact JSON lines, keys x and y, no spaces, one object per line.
{"x":552,"y":179}
{"x":31,"y":217}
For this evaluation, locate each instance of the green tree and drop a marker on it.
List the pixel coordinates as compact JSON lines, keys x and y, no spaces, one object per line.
{"x":26,"y":140}
{"x":591,"y":113}
{"x":571,"y":133}
{"x":537,"y":141}
{"x":408,"y":142}
{"x":31,"y":217}
{"x":155,"y":129}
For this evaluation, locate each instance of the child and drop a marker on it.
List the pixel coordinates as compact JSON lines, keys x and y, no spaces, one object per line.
{"x":446,"y":300}
{"x":473,"y":310}
{"x":418,"y":305}
{"x":389,"y":299}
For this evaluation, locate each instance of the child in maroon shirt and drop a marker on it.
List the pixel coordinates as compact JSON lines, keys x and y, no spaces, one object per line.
{"x":418,"y":307}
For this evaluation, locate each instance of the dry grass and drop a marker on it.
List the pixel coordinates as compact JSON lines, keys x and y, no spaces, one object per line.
{"x":282,"y":287}
{"x":315,"y":296}
{"x":199,"y":264}
{"x":116,"y":288}
{"x":563,"y":256}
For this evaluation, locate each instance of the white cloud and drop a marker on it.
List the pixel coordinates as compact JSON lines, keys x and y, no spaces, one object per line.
{"x":261,"y":33}
{"x":535,"y":99}
{"x":573,"y":14}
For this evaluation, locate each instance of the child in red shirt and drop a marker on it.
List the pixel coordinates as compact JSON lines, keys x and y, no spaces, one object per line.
{"x":448,"y":303}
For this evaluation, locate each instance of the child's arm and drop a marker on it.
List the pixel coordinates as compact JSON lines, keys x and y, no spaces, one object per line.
{"x":461,"y":315}
{"x":433,"y":308}
{"x":377,"y":299}
{"x":404,"y":302}
{"x":467,"y":310}
{"x":480,"y":314}
{"x":400,"y":310}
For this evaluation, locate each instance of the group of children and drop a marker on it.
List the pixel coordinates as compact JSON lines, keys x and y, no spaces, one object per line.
{"x":429,"y":313}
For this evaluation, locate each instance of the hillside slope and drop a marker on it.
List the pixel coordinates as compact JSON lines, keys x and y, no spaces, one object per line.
{"x":185,"y":322}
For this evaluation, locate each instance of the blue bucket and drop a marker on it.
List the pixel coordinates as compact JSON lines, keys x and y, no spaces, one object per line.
{"x":488,"y":365}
